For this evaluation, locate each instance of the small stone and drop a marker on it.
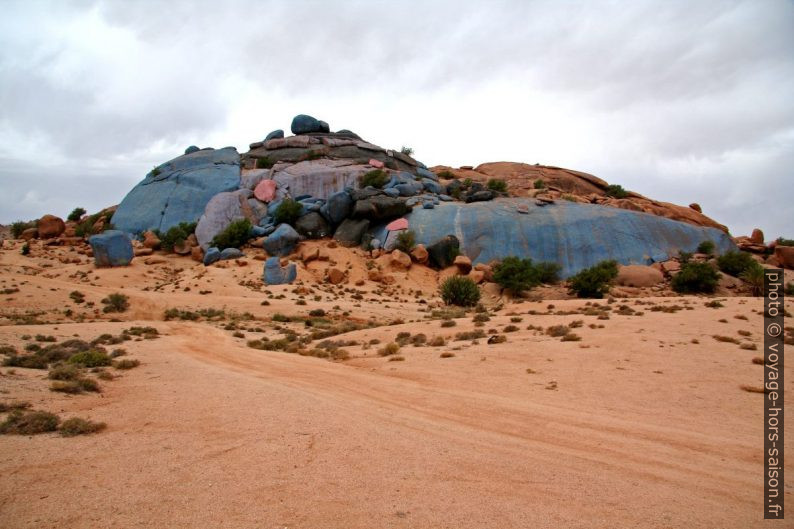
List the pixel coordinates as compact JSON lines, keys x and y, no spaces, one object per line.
{"x":463,"y":264}
{"x":335,"y":276}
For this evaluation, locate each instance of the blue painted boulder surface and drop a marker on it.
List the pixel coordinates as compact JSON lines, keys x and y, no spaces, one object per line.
{"x":192,"y":149}
{"x":274,"y":135}
{"x":574,"y":235}
{"x":303,"y":124}
{"x":337,"y":208}
{"x":282,"y":241}
{"x":275,"y":274}
{"x":111,"y":248}
{"x":222,"y":209}
{"x":231,"y":253}
{"x":212,"y":255}
{"x":178,"y":190}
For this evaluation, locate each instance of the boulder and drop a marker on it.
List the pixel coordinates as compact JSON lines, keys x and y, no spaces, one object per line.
{"x":50,"y":226}
{"x":178,"y":190}
{"x":424,"y":173}
{"x":197,"y":254}
{"x":409,"y":189}
{"x":350,"y":232}
{"x":696,"y":207}
{"x":638,"y":276}
{"x":142,"y":252}
{"x":212,"y":255}
{"x":397,"y":225}
{"x":231,"y":253}
{"x":111,"y":248}
{"x":443,"y":251}
{"x":463,"y":264}
{"x":192,"y":149}
{"x":334,"y":276}
{"x":478,"y":276}
{"x":303,"y":124}
{"x":182,"y":248}
{"x":273,"y":135}
{"x":399,"y":260}
{"x":151,"y":240}
{"x":223,"y":209}
{"x":275,"y":274}
{"x":337,"y":207}
{"x":265,"y":190}
{"x":433,"y":186}
{"x":320,"y":178}
{"x":419,"y":254}
{"x":757,"y":236}
{"x":380,"y":207}
{"x":282,"y":241}
{"x":313,"y":226}
{"x":391,"y":240}
{"x":785,"y":256}
{"x":377,"y":164}
{"x":480,"y":196}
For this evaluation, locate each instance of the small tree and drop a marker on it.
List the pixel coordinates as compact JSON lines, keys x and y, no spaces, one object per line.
{"x":287,"y":212}
{"x":406,"y":241}
{"x":706,"y":247}
{"x":500,"y":186}
{"x":235,"y":235}
{"x":76,"y":214}
{"x":407,"y":151}
{"x":616,"y":191}
{"x":540,"y":184}
{"x":595,"y":281}
{"x":461,"y":291}
{"x":694,"y":278}
{"x":734,"y":263}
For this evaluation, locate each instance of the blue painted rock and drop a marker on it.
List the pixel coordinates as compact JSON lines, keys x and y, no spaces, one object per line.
{"x":178,"y":190}
{"x":338,"y":207}
{"x":275,"y":274}
{"x":282,"y":241}
{"x":303,"y":124}
{"x":111,"y":248}
{"x":424,"y":173}
{"x":432,"y":186}
{"x":223,"y":209}
{"x":575,"y":236}
{"x":212,"y":255}
{"x":231,"y":253}
{"x":428,"y":204}
{"x":409,"y":189}
{"x":192,"y":149}
{"x":313,"y":226}
{"x":274,"y":135}
{"x":380,"y":208}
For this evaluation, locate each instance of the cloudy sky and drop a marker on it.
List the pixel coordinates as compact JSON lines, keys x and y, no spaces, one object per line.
{"x":682,"y":101}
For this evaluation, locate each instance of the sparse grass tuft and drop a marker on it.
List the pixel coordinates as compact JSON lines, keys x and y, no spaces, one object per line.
{"x":29,"y":423}
{"x":77,"y":426}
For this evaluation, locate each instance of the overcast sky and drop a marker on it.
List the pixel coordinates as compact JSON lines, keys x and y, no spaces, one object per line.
{"x":683,"y":101}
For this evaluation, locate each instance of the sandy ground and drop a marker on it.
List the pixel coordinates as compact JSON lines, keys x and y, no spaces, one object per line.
{"x":633,"y":426}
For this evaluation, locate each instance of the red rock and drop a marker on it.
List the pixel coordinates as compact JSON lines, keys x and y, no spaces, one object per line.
{"x":419,"y":254}
{"x":696,"y":207}
{"x":265,"y":190}
{"x":638,"y":276}
{"x":478,"y":276}
{"x":154,"y":260}
{"x":50,"y":226}
{"x":197,"y":254}
{"x":400,"y":260}
{"x":30,"y":233}
{"x":463,"y":264}
{"x":182,"y":248}
{"x":335,"y":276}
{"x":757,"y":237}
{"x":785,"y":256}
{"x":310,"y":254}
{"x":150,"y":240}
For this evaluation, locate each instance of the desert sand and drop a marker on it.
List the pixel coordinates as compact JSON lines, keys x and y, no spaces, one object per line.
{"x":635,"y":425}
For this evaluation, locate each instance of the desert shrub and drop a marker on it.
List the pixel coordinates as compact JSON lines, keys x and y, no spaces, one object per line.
{"x":406,"y":240}
{"x":616,"y":191}
{"x":540,"y":184}
{"x":734,"y":263}
{"x":236,"y":234}
{"x":175,"y":235}
{"x":753,"y":275}
{"x":446,"y":175}
{"x":789,"y":289}
{"x":706,"y":247}
{"x":317,"y":313}
{"x":116,"y":303}
{"x":264,"y":162}
{"x":90,"y":358}
{"x":461,"y":291}
{"x":19,"y":226}
{"x":555,"y":331}
{"x":33,"y":361}
{"x":389,"y":349}
{"x":784,"y":242}
{"x":64,"y":372}
{"x":448,"y":323}
{"x":29,"y":423}
{"x":595,"y":281}
{"x":78,"y":426}
{"x":77,"y":296}
{"x":25,"y":249}
{"x":684,"y":257}
{"x":76,"y":214}
{"x":288,"y":211}
{"x":376,"y":178}
{"x":408,"y":151}
{"x":437,"y":341}
{"x":76,"y":386}
{"x":547,"y":272}
{"x":518,"y":275}
{"x":495,"y":184}
{"x":126,"y":363}
{"x":571,"y":337}
{"x":694,"y":278}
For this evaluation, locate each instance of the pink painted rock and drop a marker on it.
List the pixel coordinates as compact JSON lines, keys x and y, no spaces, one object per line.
{"x":397,"y":225}
{"x":265,"y":190}
{"x":377,"y":164}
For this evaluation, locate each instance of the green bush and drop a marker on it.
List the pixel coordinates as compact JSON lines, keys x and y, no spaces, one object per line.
{"x":264,"y":162}
{"x":540,"y":184}
{"x":595,"y":281}
{"x":446,"y":175}
{"x":25,"y":249}
{"x":518,"y":275}
{"x":785,"y":242}
{"x":116,"y":302}
{"x":789,"y":289}
{"x":706,"y":247}
{"x":235,"y":235}
{"x":753,"y":275}
{"x":500,"y":186}
{"x":175,"y":235}
{"x":86,"y":228}
{"x":287,"y":211}
{"x":684,"y":257}
{"x":29,"y":423}
{"x":461,"y":291}
{"x":376,"y":178}
{"x":76,"y":214}
{"x":91,"y":358}
{"x":407,"y":151}
{"x":406,"y":240}
{"x":616,"y":191}
{"x":78,"y":426}
{"x":694,"y":278}
{"x":734,"y":263}
{"x":19,"y":226}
